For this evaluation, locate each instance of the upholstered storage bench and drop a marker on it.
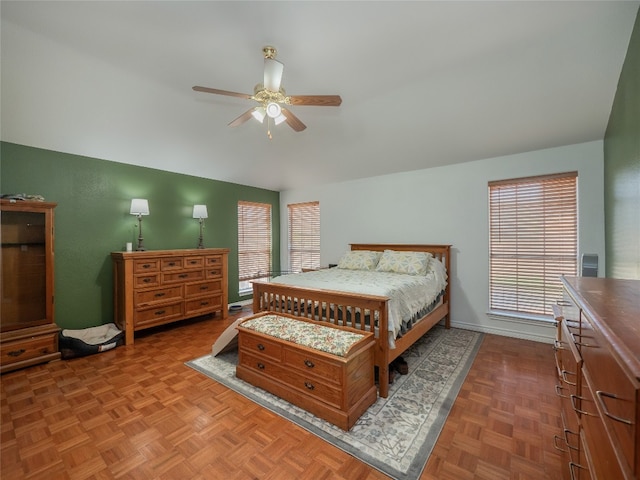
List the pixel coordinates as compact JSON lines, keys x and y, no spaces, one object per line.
{"x":324,"y":369}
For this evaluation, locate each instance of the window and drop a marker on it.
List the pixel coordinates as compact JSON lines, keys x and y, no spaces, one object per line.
{"x":533,"y":240}
{"x":254,"y":243}
{"x":304,"y":236}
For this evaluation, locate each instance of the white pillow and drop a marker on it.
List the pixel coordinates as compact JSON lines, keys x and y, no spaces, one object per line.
{"x":359,"y":260}
{"x":409,"y":263}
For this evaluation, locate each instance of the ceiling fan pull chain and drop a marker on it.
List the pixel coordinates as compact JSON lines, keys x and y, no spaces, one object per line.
{"x":269,"y":129}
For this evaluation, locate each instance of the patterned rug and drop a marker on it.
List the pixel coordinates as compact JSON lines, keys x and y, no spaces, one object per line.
{"x":396,"y":434}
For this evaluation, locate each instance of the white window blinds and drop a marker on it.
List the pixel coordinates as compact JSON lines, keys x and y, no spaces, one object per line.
{"x":304,"y":235}
{"x":533,"y":240}
{"x":254,"y":241}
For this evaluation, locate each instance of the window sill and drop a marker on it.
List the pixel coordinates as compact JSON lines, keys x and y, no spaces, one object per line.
{"x":527,"y":318}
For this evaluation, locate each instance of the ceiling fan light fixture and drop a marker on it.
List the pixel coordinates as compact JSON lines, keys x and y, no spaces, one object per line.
{"x":259,"y":113}
{"x":272,"y":74}
{"x":274,"y":110}
{"x":279,"y":119}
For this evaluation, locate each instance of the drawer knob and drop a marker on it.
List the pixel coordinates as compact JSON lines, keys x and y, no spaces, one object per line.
{"x":193,"y":262}
{"x":559,"y":392}
{"x":16,"y":353}
{"x":146,"y":265}
{"x":581,"y":343}
{"x":261,"y":366}
{"x":309,"y":363}
{"x":161,"y":294}
{"x":183,"y":275}
{"x":160,"y":312}
{"x":564,"y":373}
{"x":572,"y":467}
{"x":566,"y":440}
{"x":172,"y":264}
{"x":600,"y":394}
{"x":146,"y":280}
{"x":581,"y":412}
{"x":204,"y":303}
{"x":309,"y":385}
{"x":260,"y":346}
{"x":204,"y":287}
{"x":555,"y":444}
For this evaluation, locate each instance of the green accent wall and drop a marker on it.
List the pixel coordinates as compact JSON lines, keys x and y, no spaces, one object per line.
{"x":92,"y":220}
{"x":622,"y":169}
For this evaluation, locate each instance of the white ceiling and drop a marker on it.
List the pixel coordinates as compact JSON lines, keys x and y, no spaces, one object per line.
{"x":423,"y":84}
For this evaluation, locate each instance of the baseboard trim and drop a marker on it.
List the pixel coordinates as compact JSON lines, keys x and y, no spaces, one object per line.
{"x":546,"y":336}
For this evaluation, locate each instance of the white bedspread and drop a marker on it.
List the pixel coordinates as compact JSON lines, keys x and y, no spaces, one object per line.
{"x":408,"y":294}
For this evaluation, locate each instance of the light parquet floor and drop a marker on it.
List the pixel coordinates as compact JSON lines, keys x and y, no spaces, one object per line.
{"x":138,"y":412}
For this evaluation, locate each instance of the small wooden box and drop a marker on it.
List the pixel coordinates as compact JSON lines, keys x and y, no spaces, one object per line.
{"x":338,"y":388}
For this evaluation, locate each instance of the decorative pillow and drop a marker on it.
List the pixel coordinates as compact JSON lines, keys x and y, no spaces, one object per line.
{"x":410,"y":263}
{"x":360,"y":260}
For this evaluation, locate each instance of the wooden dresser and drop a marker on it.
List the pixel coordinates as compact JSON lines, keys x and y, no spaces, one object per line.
{"x":28,"y":333}
{"x":337,"y":388}
{"x":152,"y":288}
{"x":598,"y":360}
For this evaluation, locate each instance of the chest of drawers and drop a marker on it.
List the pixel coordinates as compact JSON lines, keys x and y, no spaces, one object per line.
{"x":598,"y":359}
{"x":336,"y":387}
{"x":152,"y":288}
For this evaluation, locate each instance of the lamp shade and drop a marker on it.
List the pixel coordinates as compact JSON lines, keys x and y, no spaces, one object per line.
{"x":259,"y":113}
{"x":139,"y":206}
{"x":200,"y":211}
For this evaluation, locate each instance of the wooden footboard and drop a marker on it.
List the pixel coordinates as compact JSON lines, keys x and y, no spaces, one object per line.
{"x":355,"y":310}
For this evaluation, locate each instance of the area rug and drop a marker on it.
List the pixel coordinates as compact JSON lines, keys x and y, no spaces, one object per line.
{"x":396,"y":434}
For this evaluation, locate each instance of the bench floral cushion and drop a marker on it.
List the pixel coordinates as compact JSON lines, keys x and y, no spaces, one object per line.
{"x":319,"y":337}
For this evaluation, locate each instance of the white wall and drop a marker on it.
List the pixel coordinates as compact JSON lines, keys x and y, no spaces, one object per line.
{"x":449,"y":205}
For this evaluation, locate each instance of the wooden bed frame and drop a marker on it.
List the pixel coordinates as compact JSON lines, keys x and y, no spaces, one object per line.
{"x":297,"y":301}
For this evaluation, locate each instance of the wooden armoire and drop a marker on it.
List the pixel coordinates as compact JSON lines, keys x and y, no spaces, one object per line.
{"x":28,"y":333}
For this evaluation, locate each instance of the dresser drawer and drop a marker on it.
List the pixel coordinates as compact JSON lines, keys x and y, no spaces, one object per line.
{"x":282,"y":373}
{"x":146,"y":281}
{"x":183,"y":276}
{"x":614,"y":392}
{"x":214,"y":261}
{"x":309,"y":364}
{"x":599,"y":452}
{"x":174,"y":263}
{"x":194,"y":262}
{"x":267,"y":348}
{"x":28,"y":348}
{"x":204,"y":288}
{"x":157,"y":316}
{"x":147,"y":298}
{"x":147,"y":265}
{"x":203,"y":304}
{"x":214,"y":272}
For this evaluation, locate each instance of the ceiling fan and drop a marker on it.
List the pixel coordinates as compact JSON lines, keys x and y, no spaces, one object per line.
{"x":272,"y":98}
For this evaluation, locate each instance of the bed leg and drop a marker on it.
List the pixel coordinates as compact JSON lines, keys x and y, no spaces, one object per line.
{"x":383,"y":379}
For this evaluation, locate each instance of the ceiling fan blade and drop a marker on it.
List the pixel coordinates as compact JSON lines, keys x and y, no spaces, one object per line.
{"x":316,"y":100}
{"x":293,"y":121}
{"x":222,"y":92}
{"x":272,"y":74}
{"x":242,"y":118}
